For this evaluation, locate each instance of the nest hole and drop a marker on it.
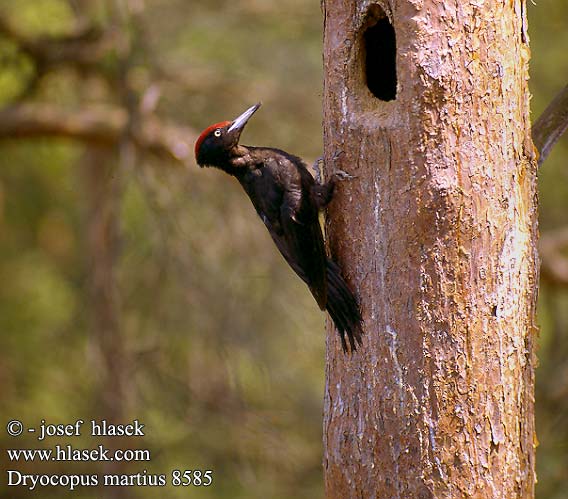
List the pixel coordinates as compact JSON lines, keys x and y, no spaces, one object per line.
{"x":380,"y":55}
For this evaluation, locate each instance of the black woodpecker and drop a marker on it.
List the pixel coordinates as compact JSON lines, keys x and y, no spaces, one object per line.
{"x":288,"y":200}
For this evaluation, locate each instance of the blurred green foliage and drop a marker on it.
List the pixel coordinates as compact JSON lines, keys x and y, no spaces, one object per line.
{"x":223,"y":346}
{"x":548,"y":29}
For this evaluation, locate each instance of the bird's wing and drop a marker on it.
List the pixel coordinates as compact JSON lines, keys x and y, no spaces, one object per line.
{"x":281,"y":196}
{"x":303,"y":239}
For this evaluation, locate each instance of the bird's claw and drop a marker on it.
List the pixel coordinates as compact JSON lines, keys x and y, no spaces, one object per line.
{"x":342,"y":175}
{"x":337,"y":174}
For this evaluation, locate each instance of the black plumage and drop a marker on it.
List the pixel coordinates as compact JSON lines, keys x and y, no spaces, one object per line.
{"x":288,"y":200}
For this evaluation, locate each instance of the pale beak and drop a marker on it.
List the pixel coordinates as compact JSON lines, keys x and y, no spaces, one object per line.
{"x":239,"y":123}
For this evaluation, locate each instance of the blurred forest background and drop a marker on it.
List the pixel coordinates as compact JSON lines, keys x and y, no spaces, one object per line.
{"x":138,"y":286}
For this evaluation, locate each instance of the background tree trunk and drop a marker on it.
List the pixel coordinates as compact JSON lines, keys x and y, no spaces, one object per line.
{"x":103,"y":192}
{"x":438,"y":235}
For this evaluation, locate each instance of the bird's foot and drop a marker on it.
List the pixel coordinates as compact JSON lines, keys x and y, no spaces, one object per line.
{"x":323,"y":192}
{"x":316,"y":167}
{"x":336,"y":175}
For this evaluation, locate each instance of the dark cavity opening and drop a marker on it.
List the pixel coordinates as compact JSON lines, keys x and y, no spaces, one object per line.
{"x":380,"y":60}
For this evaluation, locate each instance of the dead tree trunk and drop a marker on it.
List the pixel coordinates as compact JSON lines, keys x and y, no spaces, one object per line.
{"x":426,"y":102}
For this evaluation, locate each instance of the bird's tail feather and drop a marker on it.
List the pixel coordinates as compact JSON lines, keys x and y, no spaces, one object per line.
{"x":343,"y":308}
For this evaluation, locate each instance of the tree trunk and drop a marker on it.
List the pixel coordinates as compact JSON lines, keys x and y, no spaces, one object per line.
{"x":437,"y":234}
{"x":102,"y":247}
{"x":103,"y":193}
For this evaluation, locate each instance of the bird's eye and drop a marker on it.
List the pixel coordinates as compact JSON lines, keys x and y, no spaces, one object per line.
{"x":217,"y":133}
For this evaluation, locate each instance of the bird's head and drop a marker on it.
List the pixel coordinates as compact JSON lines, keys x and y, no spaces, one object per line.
{"x":216,"y":143}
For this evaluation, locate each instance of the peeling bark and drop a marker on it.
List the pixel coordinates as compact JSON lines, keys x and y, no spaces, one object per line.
{"x":438,"y":235}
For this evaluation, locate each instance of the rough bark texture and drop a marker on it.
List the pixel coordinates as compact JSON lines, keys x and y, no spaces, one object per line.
{"x":438,"y":235}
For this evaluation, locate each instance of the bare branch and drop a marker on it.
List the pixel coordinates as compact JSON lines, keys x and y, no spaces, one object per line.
{"x":553,"y":248}
{"x":97,"y":125}
{"x":551,"y":124}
